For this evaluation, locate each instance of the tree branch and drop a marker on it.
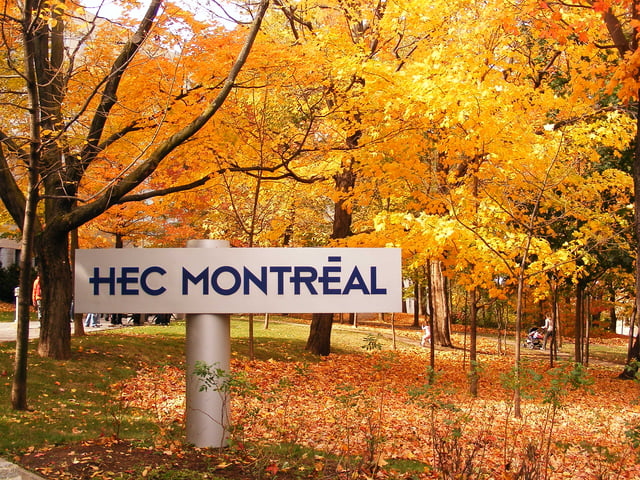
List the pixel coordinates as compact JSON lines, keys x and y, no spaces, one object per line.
{"x":109,"y":95}
{"x":115,"y":193}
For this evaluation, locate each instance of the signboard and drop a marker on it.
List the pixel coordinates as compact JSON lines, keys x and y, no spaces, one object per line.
{"x":238,"y":280}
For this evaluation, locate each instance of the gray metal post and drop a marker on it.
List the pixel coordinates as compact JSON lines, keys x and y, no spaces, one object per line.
{"x":16,"y":293}
{"x":208,"y":341}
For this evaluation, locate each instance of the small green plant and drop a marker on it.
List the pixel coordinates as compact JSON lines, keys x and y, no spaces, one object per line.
{"x":455,"y":454}
{"x":361,"y":416}
{"x":236,"y":383}
{"x":535,"y":462}
{"x":372,"y":342}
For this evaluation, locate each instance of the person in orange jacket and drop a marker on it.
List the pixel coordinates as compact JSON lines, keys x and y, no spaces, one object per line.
{"x":36,"y":296}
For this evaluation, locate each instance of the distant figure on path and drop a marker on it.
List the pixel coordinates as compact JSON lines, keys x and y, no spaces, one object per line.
{"x":36,"y":296}
{"x":92,"y":320}
{"x":426,"y":335}
{"x":548,"y":330}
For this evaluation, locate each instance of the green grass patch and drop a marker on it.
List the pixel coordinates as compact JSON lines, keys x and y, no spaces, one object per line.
{"x":608,"y":353}
{"x":74,"y":400}
{"x":10,"y":316}
{"x":285,"y":340}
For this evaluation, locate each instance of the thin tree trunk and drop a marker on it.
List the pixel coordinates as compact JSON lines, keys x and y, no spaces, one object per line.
{"x":578,"y":352}
{"x":587,"y":325}
{"x":19,"y":384}
{"x":632,"y":328}
{"x":251,"y":338}
{"x":613,"y":317}
{"x":473,"y":358}
{"x":416,"y":304}
{"x":393,"y":330}
{"x":516,"y":367}
{"x":432,"y":346}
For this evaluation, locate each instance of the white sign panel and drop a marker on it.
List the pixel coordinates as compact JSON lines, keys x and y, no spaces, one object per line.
{"x":238,"y":280}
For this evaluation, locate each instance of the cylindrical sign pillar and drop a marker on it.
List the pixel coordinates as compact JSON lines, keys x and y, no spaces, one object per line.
{"x":208,"y":343}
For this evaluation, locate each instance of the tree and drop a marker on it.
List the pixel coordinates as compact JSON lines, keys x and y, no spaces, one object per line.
{"x":603,"y":37}
{"x":502,"y":148}
{"x":74,"y":121}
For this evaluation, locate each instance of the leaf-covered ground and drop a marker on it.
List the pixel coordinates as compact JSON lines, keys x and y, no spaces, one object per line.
{"x":375,"y":414}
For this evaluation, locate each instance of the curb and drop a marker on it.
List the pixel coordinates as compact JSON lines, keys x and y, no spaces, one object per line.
{"x":9,"y":471}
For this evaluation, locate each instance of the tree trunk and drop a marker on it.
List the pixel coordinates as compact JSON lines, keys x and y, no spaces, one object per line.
{"x":613,"y":317}
{"x":55,"y":331}
{"x":579,"y":324}
{"x":473,"y":357}
{"x":636,"y":230}
{"x":19,"y":385}
{"x":517,"y":411}
{"x":432,"y":347}
{"x":319,"y":341}
{"x":416,"y":304}
{"x":587,"y":333}
{"x":345,"y":180}
{"x":29,"y":219}
{"x":442,"y":333}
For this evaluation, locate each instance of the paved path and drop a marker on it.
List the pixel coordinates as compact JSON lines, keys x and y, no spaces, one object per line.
{"x":9,"y":471}
{"x":8,"y":331}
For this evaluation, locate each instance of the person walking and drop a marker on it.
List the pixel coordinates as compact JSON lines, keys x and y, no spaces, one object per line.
{"x":92,"y":320}
{"x":548,"y":330}
{"x":426,"y":335}
{"x":36,"y":296}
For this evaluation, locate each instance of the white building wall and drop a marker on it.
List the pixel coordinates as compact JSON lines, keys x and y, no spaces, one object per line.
{"x":9,"y":250}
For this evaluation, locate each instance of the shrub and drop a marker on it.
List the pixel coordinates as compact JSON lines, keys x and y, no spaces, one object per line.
{"x":8,"y":282}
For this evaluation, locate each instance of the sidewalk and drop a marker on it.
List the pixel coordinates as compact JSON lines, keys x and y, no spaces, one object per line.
{"x":9,"y":471}
{"x":8,"y":330}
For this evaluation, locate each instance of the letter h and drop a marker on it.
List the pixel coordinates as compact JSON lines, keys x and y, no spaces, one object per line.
{"x":96,"y":280}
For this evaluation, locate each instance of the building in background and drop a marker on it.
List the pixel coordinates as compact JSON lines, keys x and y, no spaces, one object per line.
{"x":9,"y":252}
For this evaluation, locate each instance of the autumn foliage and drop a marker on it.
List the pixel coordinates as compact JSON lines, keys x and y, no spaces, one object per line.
{"x":493,"y":140}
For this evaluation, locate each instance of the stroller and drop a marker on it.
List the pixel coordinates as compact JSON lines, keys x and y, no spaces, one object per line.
{"x":534,"y":339}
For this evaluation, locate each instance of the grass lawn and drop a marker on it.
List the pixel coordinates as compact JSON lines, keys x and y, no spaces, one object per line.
{"x":10,"y":316}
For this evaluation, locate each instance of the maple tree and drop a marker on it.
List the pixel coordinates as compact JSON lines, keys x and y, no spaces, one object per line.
{"x":493,"y":187}
{"x":77,"y":121}
{"x":606,"y":35}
